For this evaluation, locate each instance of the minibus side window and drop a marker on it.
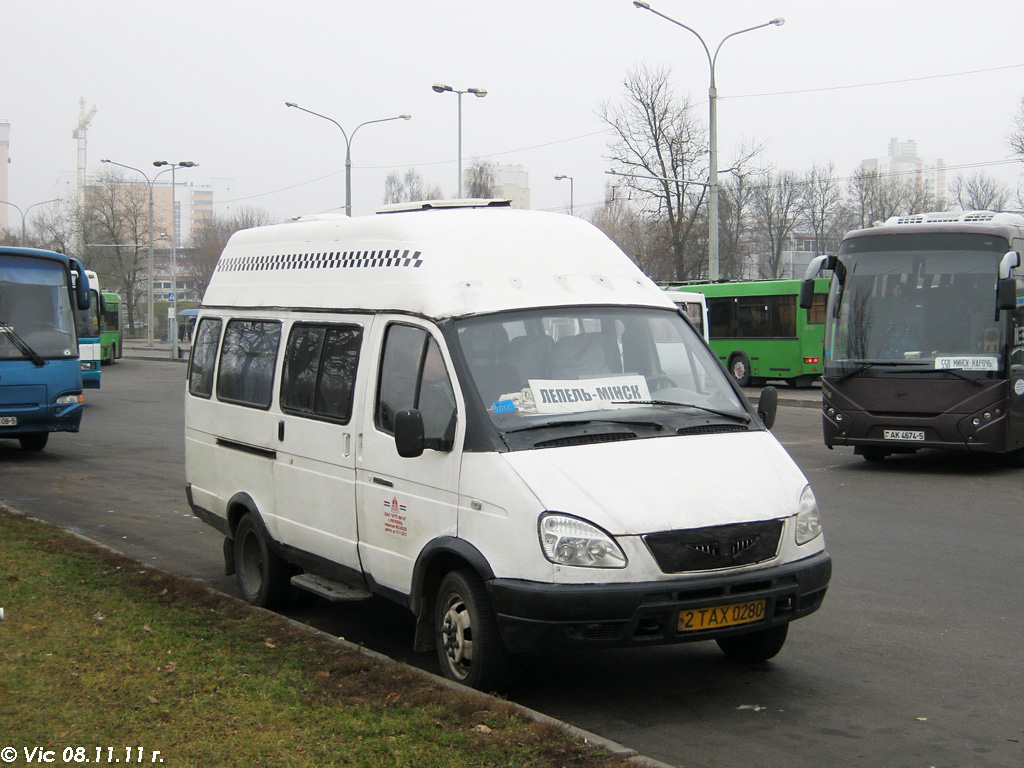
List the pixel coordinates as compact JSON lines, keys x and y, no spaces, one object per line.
{"x":413,"y":375}
{"x":247,"y":358}
{"x":320,"y":370}
{"x":204,"y":355}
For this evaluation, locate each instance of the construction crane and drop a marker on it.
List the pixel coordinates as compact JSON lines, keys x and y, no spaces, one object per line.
{"x":79,"y":133}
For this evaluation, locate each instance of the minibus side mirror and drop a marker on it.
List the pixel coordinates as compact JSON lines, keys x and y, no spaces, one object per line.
{"x":409,"y":439}
{"x":767,"y":405}
{"x":806,"y":294}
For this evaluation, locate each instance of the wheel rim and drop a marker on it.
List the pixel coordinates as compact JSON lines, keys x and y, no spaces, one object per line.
{"x":739,"y":370}
{"x":250,"y":569}
{"x":457,"y":636}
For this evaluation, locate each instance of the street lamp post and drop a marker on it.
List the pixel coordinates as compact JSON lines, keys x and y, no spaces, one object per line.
{"x":479,"y":93}
{"x":559,"y":177}
{"x":172,"y":325}
{"x":149,"y":256}
{"x":712,"y":128}
{"x":24,"y":214}
{"x":348,"y":146}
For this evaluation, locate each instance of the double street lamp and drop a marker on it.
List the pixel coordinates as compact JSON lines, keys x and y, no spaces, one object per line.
{"x":348,"y":146}
{"x":712,"y":129}
{"x":479,"y":93}
{"x":24,"y":214}
{"x":149,"y":258}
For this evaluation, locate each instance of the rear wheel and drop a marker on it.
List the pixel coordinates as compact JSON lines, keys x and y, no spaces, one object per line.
{"x":874,"y":455}
{"x":35,"y":441}
{"x":739,"y":367}
{"x":469,"y":645}
{"x":264,"y":579}
{"x":755,"y":646}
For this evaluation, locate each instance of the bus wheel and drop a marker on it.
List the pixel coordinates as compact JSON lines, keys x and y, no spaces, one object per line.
{"x":263,"y":577}
{"x":755,"y":646}
{"x":874,"y":455}
{"x":34,"y":442}
{"x":469,"y":645}
{"x":739,"y":367}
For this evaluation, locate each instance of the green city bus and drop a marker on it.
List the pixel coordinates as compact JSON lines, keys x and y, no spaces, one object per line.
{"x":110,"y":327}
{"x":760,"y":333}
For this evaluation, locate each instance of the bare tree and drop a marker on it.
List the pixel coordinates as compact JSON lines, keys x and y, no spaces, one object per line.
{"x":115,"y":230}
{"x":408,"y":187}
{"x":1016,"y":137}
{"x":480,"y":179}
{"x":635,"y":234}
{"x":821,"y":205}
{"x":208,"y":238}
{"x":979,"y":192}
{"x":657,"y":137}
{"x":776,"y":208}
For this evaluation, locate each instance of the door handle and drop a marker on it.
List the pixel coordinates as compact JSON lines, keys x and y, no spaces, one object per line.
{"x":382,"y":481}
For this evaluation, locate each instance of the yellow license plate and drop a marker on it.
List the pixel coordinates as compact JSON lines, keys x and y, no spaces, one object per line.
{"x":722,"y":616}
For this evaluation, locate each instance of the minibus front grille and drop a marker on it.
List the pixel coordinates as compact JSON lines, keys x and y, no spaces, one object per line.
{"x":611,"y":437}
{"x":720,"y":546}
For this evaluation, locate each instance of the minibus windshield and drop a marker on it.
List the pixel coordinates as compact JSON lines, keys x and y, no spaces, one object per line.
{"x":644,"y":369}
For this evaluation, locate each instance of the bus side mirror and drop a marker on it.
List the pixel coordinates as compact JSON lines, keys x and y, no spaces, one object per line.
{"x":81,"y":284}
{"x":1007,"y":287}
{"x":818,"y":263}
{"x":768,"y":405}
{"x":409,"y":439}
{"x":806,"y":293}
{"x":1007,"y":293}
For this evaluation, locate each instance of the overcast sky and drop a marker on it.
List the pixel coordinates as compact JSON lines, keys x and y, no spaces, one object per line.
{"x":208,"y":81}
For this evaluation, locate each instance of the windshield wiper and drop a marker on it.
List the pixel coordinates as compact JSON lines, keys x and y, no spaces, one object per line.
{"x":951,"y":372}
{"x":22,"y":346}
{"x":741,"y":417}
{"x":864,"y":367}
{"x":580,"y":422}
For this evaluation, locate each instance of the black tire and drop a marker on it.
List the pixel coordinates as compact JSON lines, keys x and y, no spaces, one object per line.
{"x":469,"y":644}
{"x":755,"y":646}
{"x":874,"y":455}
{"x":35,"y":441}
{"x":264,"y":579}
{"x":739,"y":367}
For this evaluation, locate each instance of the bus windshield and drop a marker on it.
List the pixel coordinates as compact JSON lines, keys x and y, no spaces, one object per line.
{"x":916,"y":304}
{"x":35,"y":305}
{"x":586,"y":367}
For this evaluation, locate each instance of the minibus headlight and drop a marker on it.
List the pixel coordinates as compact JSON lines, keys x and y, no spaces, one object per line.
{"x":808,"y":520}
{"x":69,"y":399}
{"x":571,"y":541}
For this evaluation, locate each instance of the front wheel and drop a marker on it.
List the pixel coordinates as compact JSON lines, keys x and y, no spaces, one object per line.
{"x":739,"y":367}
{"x":755,"y":646}
{"x":35,"y":441}
{"x":263,"y":577}
{"x":469,"y":645}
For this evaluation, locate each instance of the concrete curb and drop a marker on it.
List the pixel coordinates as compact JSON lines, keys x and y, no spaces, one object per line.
{"x":612,"y":747}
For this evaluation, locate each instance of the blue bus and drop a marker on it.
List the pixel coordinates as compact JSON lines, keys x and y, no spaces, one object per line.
{"x":40,"y":373}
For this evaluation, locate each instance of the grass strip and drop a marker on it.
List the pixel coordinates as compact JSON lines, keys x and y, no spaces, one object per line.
{"x":100,"y":654}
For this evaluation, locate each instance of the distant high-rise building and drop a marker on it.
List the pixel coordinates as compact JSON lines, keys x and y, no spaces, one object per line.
{"x":512,"y":182}
{"x":903,"y":162}
{"x":5,"y":145}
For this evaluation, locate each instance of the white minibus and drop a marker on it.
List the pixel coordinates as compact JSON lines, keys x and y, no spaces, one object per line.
{"x":493,"y":418}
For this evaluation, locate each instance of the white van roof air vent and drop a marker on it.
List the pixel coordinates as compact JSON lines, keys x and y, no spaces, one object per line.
{"x":427,"y":205}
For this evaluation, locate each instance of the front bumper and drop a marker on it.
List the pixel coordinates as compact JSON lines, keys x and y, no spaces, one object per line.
{"x":534,"y":616}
